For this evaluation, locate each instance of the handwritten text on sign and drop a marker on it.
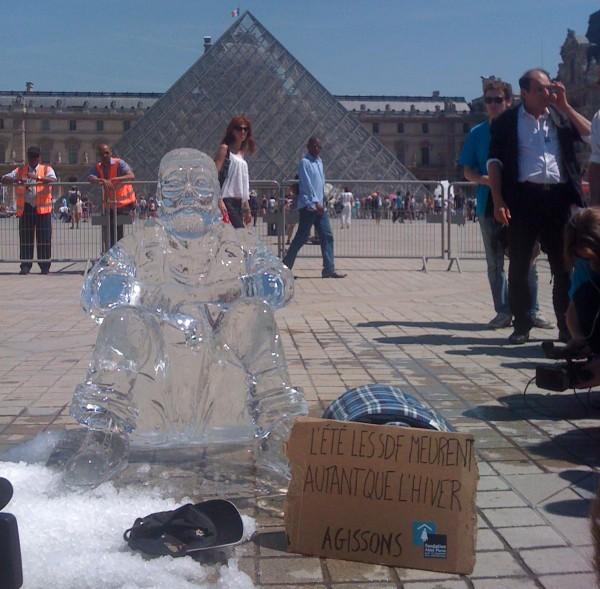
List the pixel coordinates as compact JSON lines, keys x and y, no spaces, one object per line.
{"x":382,"y":494}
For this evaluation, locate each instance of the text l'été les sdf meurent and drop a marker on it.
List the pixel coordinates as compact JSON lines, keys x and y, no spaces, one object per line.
{"x":388,"y":484}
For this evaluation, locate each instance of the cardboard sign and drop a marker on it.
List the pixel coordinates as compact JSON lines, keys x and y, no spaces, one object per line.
{"x":382,"y":494}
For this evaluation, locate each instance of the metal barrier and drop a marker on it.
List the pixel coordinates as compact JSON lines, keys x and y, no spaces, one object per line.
{"x":266,"y":216}
{"x":70,"y":241}
{"x":73,"y":242}
{"x":411,"y":228}
{"x":464,"y":234}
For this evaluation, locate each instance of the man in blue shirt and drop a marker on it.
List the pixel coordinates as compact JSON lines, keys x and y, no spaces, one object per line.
{"x":311,"y":209}
{"x":474,"y":155}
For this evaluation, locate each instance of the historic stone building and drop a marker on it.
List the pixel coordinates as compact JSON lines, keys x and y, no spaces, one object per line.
{"x":67,"y":126}
{"x":426,"y":133}
{"x":580,"y":67}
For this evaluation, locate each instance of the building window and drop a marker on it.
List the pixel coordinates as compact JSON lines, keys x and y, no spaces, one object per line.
{"x":425,"y":127}
{"x":465,"y":127}
{"x":72,"y":125}
{"x":45,"y":125}
{"x":99,"y":125}
{"x":126,"y":125}
{"x":45,"y":154}
{"x":400,"y":151}
{"x":400,"y":127}
{"x":72,"y":155}
{"x":1,"y":123}
{"x":424,"y":156}
{"x":376,"y":128}
{"x":2,"y":154}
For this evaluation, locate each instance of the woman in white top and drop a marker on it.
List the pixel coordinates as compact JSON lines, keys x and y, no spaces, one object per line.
{"x":347,"y":201}
{"x":233,"y":171}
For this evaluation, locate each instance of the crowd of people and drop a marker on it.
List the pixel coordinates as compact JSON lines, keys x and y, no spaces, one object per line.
{"x":521,"y":158}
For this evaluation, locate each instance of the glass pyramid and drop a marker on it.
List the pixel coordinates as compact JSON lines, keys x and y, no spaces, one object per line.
{"x":248,"y":71}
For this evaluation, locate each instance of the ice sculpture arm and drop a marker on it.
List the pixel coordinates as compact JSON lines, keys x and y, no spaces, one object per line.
{"x":111,"y":283}
{"x":267,"y":278}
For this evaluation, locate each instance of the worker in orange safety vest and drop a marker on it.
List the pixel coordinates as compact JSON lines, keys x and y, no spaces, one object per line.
{"x":34,"y":209}
{"x":118,"y":195}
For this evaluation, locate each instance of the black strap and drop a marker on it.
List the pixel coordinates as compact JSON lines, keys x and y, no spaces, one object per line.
{"x":224,"y":170}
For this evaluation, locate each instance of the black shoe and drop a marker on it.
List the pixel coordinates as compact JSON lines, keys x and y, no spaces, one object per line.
{"x":333,"y":275}
{"x":45,"y":270}
{"x":24,"y":271}
{"x":518,"y":339}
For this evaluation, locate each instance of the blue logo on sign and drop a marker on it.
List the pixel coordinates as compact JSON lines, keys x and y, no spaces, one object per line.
{"x":421,"y":532}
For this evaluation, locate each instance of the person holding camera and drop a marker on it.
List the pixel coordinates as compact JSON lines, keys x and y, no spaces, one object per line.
{"x":535,"y":180}
{"x":497,"y":96}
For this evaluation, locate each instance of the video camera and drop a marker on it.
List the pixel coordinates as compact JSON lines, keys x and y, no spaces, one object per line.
{"x":562,"y":376}
{"x":11,"y":570}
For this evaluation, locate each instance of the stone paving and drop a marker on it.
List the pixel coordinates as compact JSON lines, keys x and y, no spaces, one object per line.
{"x":386,"y":322}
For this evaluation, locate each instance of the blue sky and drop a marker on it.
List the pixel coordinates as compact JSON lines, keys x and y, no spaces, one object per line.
{"x":351,"y":46}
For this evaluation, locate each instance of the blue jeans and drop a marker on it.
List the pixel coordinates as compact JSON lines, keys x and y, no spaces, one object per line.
{"x":494,"y":255}
{"x":307,"y":219}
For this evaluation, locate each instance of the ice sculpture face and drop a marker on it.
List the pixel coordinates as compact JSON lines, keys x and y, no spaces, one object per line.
{"x":188,"y":353}
{"x":188,"y":192}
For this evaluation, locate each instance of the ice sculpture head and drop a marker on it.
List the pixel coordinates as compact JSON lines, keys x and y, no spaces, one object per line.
{"x":188,"y":192}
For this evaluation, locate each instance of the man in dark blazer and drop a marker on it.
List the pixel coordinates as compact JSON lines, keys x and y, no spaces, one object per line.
{"x":535,"y":180}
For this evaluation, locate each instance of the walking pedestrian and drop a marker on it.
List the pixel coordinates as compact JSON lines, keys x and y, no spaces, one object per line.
{"x":311,"y":209}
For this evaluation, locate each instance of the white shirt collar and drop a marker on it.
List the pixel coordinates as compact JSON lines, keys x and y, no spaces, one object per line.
{"x":524,"y":113}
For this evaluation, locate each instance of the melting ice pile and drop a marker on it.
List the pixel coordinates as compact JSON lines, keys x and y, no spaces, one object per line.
{"x":188,"y":352}
{"x":74,"y":540}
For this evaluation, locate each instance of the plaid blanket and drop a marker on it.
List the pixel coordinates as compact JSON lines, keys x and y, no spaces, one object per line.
{"x":385,"y":404}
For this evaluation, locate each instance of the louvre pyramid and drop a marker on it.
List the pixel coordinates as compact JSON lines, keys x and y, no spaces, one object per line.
{"x":248,"y":71}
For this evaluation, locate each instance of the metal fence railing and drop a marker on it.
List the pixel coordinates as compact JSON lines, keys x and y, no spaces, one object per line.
{"x":81,"y":234}
{"x":78,"y":229}
{"x":464,"y":234}
{"x":389,"y":219}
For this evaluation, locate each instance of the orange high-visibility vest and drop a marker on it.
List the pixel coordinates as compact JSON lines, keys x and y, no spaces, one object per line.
{"x":124,"y":193}
{"x":43,"y":193}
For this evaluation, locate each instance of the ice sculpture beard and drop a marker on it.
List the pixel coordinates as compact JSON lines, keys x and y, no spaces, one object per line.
{"x":188,"y":192}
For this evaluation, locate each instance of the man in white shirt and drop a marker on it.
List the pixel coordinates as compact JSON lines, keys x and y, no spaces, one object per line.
{"x":34,"y":209}
{"x":535,"y":180}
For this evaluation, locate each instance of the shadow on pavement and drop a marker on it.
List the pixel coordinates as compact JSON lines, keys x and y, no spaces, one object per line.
{"x":272,"y":540}
{"x":441,"y":339}
{"x":532,"y":406}
{"x":426,"y":324}
{"x":570,"y":507}
{"x":531,"y":351}
{"x":580,"y":444}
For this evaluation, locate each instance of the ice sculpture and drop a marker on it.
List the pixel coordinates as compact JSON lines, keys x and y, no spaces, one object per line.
{"x":188,"y":352}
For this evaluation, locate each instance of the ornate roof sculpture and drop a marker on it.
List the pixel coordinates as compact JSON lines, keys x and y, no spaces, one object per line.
{"x":249,"y":71}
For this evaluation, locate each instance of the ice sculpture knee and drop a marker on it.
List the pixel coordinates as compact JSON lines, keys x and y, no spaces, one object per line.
{"x":188,"y":351}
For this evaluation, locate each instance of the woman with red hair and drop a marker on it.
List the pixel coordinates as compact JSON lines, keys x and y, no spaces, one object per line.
{"x":233,"y":171}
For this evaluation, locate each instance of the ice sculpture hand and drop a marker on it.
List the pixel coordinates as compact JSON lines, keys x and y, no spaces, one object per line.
{"x":188,"y":351}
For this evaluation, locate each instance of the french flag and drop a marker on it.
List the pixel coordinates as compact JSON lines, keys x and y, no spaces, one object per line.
{"x":235,"y":12}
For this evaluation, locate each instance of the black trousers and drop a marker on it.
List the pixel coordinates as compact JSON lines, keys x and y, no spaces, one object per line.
{"x":538,"y":212}
{"x":109,"y":237}
{"x":234,"y":210}
{"x":34,"y":228}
